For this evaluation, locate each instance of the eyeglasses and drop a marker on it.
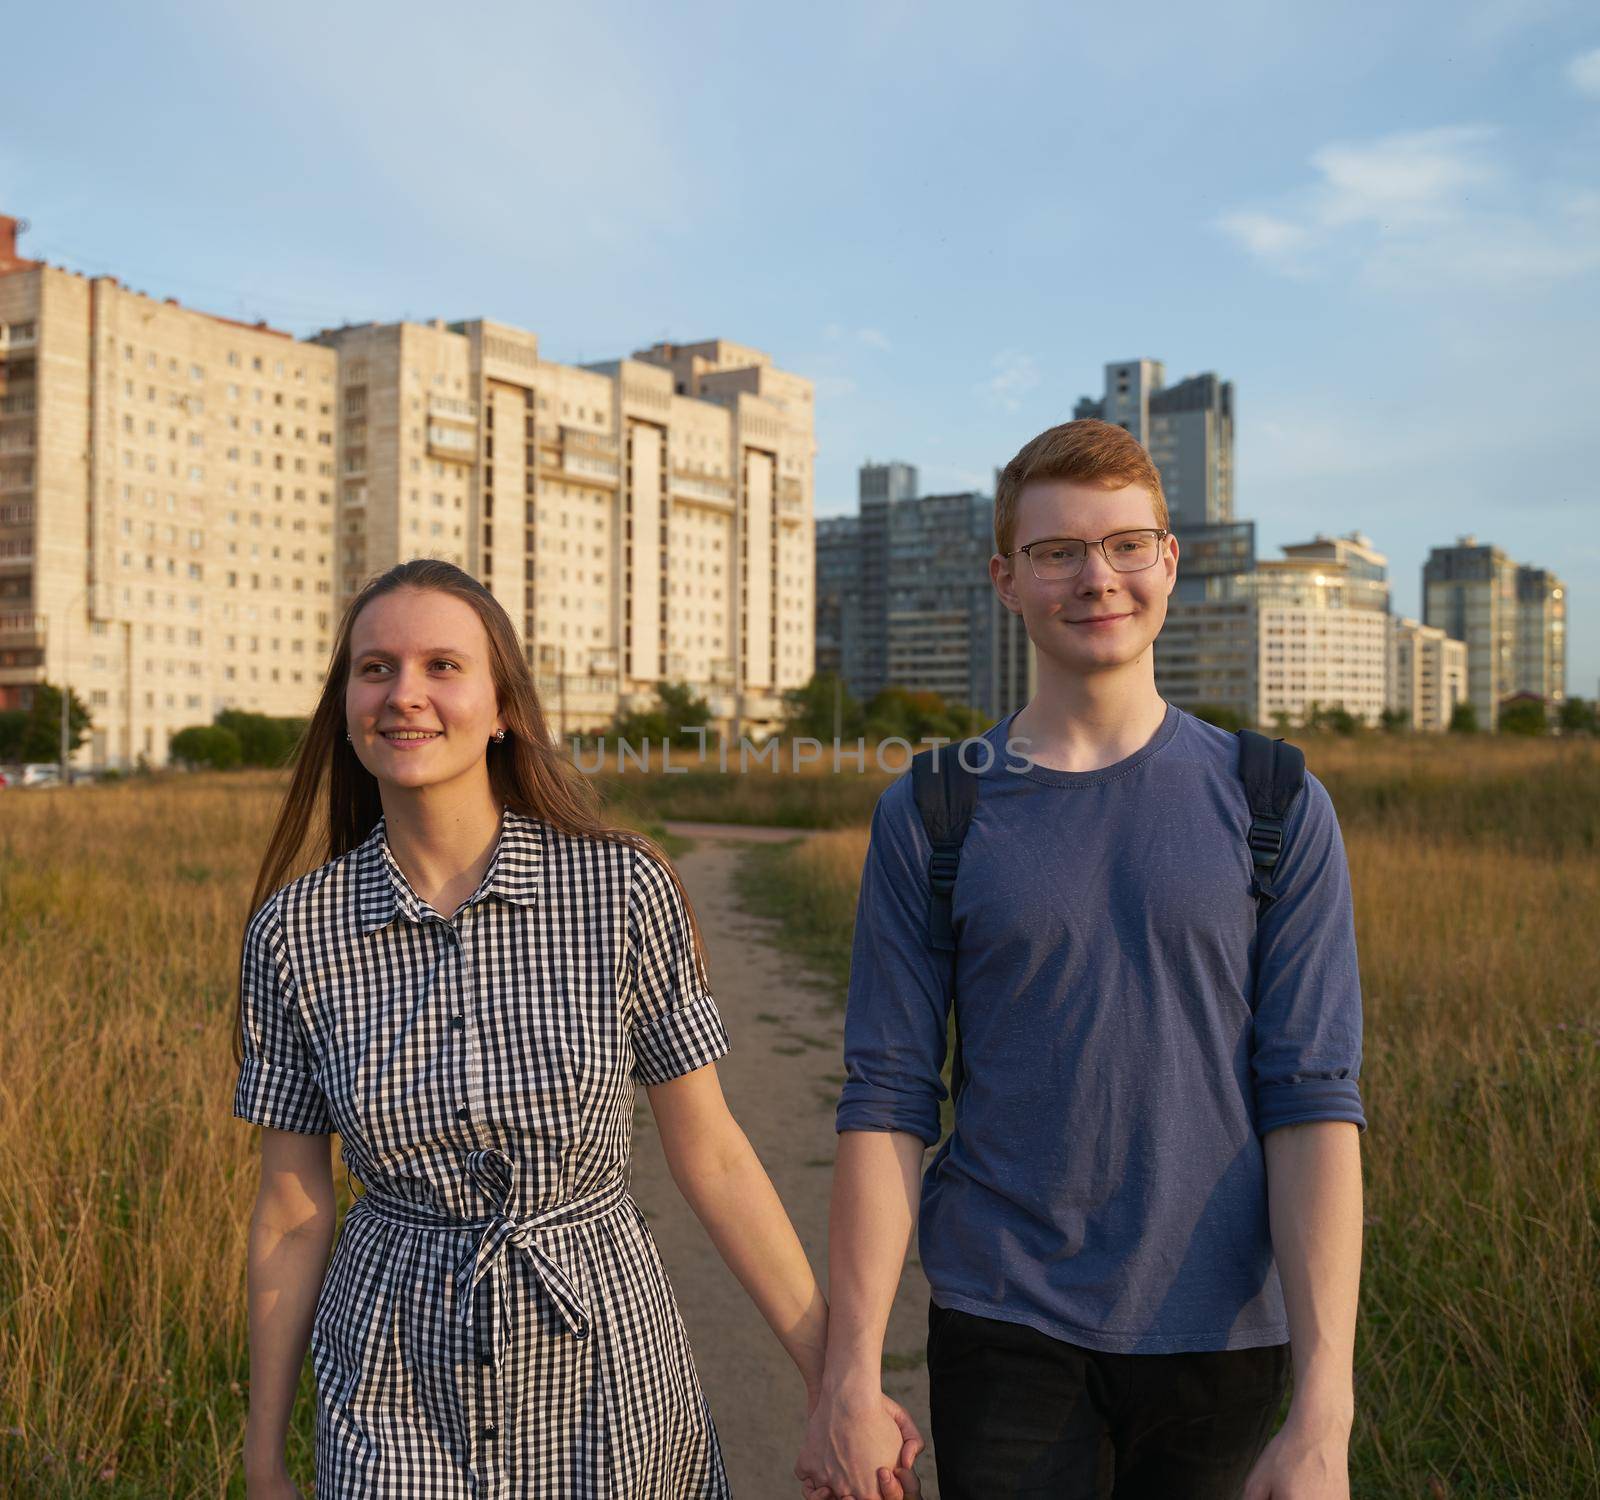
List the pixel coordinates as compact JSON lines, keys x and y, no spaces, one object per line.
{"x":1063,"y":557}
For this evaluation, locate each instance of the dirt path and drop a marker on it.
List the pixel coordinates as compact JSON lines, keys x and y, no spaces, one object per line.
{"x":781,"y":1078}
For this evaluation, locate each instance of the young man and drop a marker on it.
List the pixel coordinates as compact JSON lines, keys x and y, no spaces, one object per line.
{"x":1152,"y":1191}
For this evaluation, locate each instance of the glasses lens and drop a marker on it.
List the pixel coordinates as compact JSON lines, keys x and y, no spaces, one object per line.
{"x":1131,"y":550}
{"x":1056,"y":559}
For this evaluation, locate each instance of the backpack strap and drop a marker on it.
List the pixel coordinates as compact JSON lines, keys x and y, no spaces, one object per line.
{"x":946,"y":793}
{"x":1273,"y":772}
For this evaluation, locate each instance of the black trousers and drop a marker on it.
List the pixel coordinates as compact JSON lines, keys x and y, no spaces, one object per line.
{"x":1019,"y":1414}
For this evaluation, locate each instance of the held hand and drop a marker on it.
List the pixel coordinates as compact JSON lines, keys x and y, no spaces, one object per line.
{"x":851,"y":1440}
{"x":1302,"y":1463}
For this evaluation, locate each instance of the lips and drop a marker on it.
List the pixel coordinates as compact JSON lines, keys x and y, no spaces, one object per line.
{"x":1099,"y":620}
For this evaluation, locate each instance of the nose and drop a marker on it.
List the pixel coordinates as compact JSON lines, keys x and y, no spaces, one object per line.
{"x":405,"y":688}
{"x":1096,"y":575}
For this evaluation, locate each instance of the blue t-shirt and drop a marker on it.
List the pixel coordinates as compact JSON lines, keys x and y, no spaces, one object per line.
{"x":1129,"y":1031}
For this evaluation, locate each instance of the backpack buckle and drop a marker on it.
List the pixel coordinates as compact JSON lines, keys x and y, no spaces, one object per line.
{"x":1266,"y":841}
{"x":942,"y":869}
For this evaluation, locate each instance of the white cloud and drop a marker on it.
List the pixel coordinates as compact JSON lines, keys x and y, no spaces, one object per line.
{"x":830,"y":387}
{"x":1428,"y":207}
{"x":1014,"y":375}
{"x":874,"y":338}
{"x":1583,"y":73}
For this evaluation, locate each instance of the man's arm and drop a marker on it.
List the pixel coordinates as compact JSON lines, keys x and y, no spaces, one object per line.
{"x":876,"y":1188}
{"x":1314,"y":1204}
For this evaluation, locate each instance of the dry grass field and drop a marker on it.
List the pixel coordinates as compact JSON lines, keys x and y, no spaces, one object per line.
{"x":126,"y":1185}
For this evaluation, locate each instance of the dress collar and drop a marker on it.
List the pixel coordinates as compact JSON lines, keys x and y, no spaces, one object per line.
{"x":383,"y":892}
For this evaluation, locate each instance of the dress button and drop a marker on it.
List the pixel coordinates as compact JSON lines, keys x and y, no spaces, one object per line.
{"x":462,"y":1113}
{"x":459,"y":1022}
{"x":490,"y":1430}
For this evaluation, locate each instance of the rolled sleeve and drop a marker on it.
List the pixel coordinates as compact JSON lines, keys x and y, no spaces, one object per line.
{"x":897,"y":1010}
{"x":673,"y":1023}
{"x":1306,"y":1045}
{"x":277,"y":1086}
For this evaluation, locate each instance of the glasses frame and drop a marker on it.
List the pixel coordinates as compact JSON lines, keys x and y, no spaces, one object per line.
{"x":1160,"y":533}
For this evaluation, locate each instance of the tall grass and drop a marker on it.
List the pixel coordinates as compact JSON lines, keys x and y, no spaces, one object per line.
{"x":125,"y":1184}
{"x":1477,"y":889}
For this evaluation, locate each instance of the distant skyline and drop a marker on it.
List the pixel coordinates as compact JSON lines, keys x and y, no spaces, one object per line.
{"x":1381,"y":223}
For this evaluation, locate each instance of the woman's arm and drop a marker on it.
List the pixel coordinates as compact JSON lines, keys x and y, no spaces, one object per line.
{"x":291,"y":1233}
{"x":722,"y":1180}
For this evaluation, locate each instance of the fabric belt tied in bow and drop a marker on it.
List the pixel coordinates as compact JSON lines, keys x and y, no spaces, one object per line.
{"x":499,"y":1233}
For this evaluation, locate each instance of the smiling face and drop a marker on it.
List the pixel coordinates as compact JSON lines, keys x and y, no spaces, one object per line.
{"x":1101,"y":620}
{"x":420,"y":700}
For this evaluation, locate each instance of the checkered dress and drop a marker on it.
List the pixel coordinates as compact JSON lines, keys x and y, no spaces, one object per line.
{"x":495,"y":1320}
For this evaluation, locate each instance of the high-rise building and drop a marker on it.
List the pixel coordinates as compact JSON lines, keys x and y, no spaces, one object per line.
{"x":1470,"y":593}
{"x":166,"y":508}
{"x":904,"y":597}
{"x":1188,"y":428}
{"x":186,"y":502}
{"x":879,"y":488}
{"x":1541,"y":635}
{"x":1427,"y":675}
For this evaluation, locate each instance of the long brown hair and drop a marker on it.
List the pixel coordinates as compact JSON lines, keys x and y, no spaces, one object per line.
{"x":527,"y":773}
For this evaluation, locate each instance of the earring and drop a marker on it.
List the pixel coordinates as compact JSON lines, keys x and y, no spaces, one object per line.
{"x":347,"y":737}
{"x":499,"y":735}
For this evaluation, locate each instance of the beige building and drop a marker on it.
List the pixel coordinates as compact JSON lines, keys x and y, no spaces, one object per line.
{"x":1427,"y":674}
{"x":166,"y":508}
{"x":186,"y":502}
{"x":1310,"y":629}
{"x":641,"y":520}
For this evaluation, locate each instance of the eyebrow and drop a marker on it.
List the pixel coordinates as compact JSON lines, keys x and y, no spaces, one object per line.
{"x":378,"y":651}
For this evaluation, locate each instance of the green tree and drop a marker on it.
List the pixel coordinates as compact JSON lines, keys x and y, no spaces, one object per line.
{"x":1394,"y":721}
{"x":809,"y":710}
{"x":263,"y":739}
{"x":34,"y":733}
{"x":677,"y":710}
{"x":1524,"y":716}
{"x":1221,"y":715}
{"x":1464,"y":718}
{"x":207,"y":745}
{"x":1577,"y":716}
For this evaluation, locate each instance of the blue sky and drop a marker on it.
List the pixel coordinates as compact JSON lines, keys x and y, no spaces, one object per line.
{"x":1381,"y":222}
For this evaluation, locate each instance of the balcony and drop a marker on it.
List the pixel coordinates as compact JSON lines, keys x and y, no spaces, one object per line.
{"x":703,"y":489}
{"x":21,"y":632}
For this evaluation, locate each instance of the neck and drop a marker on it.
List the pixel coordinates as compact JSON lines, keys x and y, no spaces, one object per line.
{"x":442,"y":837}
{"x":1079,"y":722}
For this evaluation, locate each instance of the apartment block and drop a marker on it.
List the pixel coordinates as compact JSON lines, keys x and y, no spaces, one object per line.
{"x":1311,"y":628}
{"x":187,"y":502}
{"x":1427,"y":675}
{"x":641,"y":520}
{"x":166,"y":508}
{"x":905,"y":600}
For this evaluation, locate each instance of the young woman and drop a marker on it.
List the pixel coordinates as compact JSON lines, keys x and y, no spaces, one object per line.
{"x":468,"y":991}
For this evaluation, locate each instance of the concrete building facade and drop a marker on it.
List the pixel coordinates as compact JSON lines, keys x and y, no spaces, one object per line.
{"x":904,"y":598}
{"x":166,"y":508}
{"x":1427,"y":675}
{"x":1309,"y":629}
{"x":641,"y":520}
{"x":186,"y":503}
